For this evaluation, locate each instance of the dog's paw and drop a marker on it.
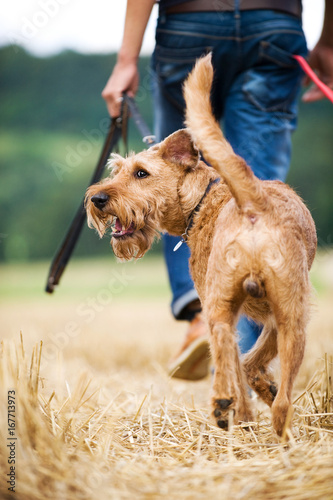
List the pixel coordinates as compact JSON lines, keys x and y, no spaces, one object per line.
{"x":226,"y":410}
{"x":221,"y":409}
{"x":282,"y":412}
{"x":261,"y":382}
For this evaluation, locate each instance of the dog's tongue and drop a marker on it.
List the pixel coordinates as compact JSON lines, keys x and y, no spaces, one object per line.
{"x":118,"y":225}
{"x":120,"y":231}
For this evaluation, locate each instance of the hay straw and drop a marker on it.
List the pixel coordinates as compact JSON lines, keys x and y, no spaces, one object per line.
{"x":81,"y":446}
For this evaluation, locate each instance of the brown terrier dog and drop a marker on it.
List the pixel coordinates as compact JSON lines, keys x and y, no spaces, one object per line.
{"x":252,"y":244}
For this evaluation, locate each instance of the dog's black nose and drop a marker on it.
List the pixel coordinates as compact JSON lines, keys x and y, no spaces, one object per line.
{"x":99,"y":200}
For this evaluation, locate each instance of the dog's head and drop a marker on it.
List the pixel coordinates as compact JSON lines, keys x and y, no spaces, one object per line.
{"x":152,"y":191}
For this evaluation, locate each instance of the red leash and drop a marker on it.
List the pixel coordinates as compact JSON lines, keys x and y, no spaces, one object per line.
{"x":311,"y":74}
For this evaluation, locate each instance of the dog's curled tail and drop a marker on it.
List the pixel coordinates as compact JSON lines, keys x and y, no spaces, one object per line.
{"x":206,"y":132}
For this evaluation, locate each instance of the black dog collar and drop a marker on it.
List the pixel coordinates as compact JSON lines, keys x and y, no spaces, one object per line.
{"x":184,"y":236}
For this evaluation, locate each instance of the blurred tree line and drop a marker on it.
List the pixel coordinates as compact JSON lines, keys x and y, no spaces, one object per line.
{"x":53,"y":121}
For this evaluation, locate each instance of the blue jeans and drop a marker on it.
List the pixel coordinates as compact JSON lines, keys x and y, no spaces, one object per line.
{"x":255,"y":92}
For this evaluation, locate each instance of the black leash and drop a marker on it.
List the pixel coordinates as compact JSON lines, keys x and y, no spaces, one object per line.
{"x":142,"y":127}
{"x":117,"y":130}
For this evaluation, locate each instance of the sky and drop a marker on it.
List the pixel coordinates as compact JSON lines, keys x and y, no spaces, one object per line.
{"x":45,"y":27}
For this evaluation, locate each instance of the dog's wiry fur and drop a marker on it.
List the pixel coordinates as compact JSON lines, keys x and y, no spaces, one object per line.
{"x":252,"y":244}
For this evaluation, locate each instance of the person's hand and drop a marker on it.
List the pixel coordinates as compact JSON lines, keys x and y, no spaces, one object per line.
{"x":124,"y":78}
{"x":321,"y":61}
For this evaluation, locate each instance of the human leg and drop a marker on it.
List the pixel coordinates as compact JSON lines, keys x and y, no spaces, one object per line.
{"x":168,"y":117}
{"x":180,"y":40}
{"x":192,"y":360}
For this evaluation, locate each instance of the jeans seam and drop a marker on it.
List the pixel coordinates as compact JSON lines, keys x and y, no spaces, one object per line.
{"x":264,"y":47}
{"x":189,"y":59}
{"x":281,"y":106}
{"x":235,"y":38}
{"x":196,"y":35}
{"x":278,"y":62}
{"x":179,"y":61}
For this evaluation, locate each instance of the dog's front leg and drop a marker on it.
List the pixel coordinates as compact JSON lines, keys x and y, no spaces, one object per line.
{"x":229,"y":388}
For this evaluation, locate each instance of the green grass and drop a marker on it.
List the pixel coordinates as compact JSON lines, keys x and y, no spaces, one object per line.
{"x":143,"y":279}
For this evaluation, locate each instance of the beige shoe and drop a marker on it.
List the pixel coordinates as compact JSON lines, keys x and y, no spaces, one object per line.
{"x":192,"y":361}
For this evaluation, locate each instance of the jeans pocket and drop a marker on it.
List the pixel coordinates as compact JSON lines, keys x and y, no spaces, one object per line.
{"x":172,"y":66}
{"x":273,"y":84}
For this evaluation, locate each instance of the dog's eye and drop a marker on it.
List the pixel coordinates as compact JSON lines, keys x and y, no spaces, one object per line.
{"x":141,"y":174}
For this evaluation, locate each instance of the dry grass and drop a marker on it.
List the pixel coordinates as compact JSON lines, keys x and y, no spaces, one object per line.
{"x":97,"y":417}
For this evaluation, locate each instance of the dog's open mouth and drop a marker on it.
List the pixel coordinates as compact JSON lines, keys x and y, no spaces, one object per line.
{"x":119,"y":231}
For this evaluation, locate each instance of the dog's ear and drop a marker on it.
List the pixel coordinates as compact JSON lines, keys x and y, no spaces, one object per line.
{"x":179,"y":148}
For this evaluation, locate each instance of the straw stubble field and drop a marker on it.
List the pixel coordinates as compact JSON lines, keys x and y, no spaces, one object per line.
{"x":96,"y":416}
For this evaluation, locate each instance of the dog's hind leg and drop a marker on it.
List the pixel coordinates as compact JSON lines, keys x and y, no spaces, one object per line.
{"x":229,"y":385}
{"x":291,"y":345}
{"x":256,"y":364}
{"x":291,"y":310}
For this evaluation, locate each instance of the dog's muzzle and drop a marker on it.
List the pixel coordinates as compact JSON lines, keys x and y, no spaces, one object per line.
{"x":100,"y":200}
